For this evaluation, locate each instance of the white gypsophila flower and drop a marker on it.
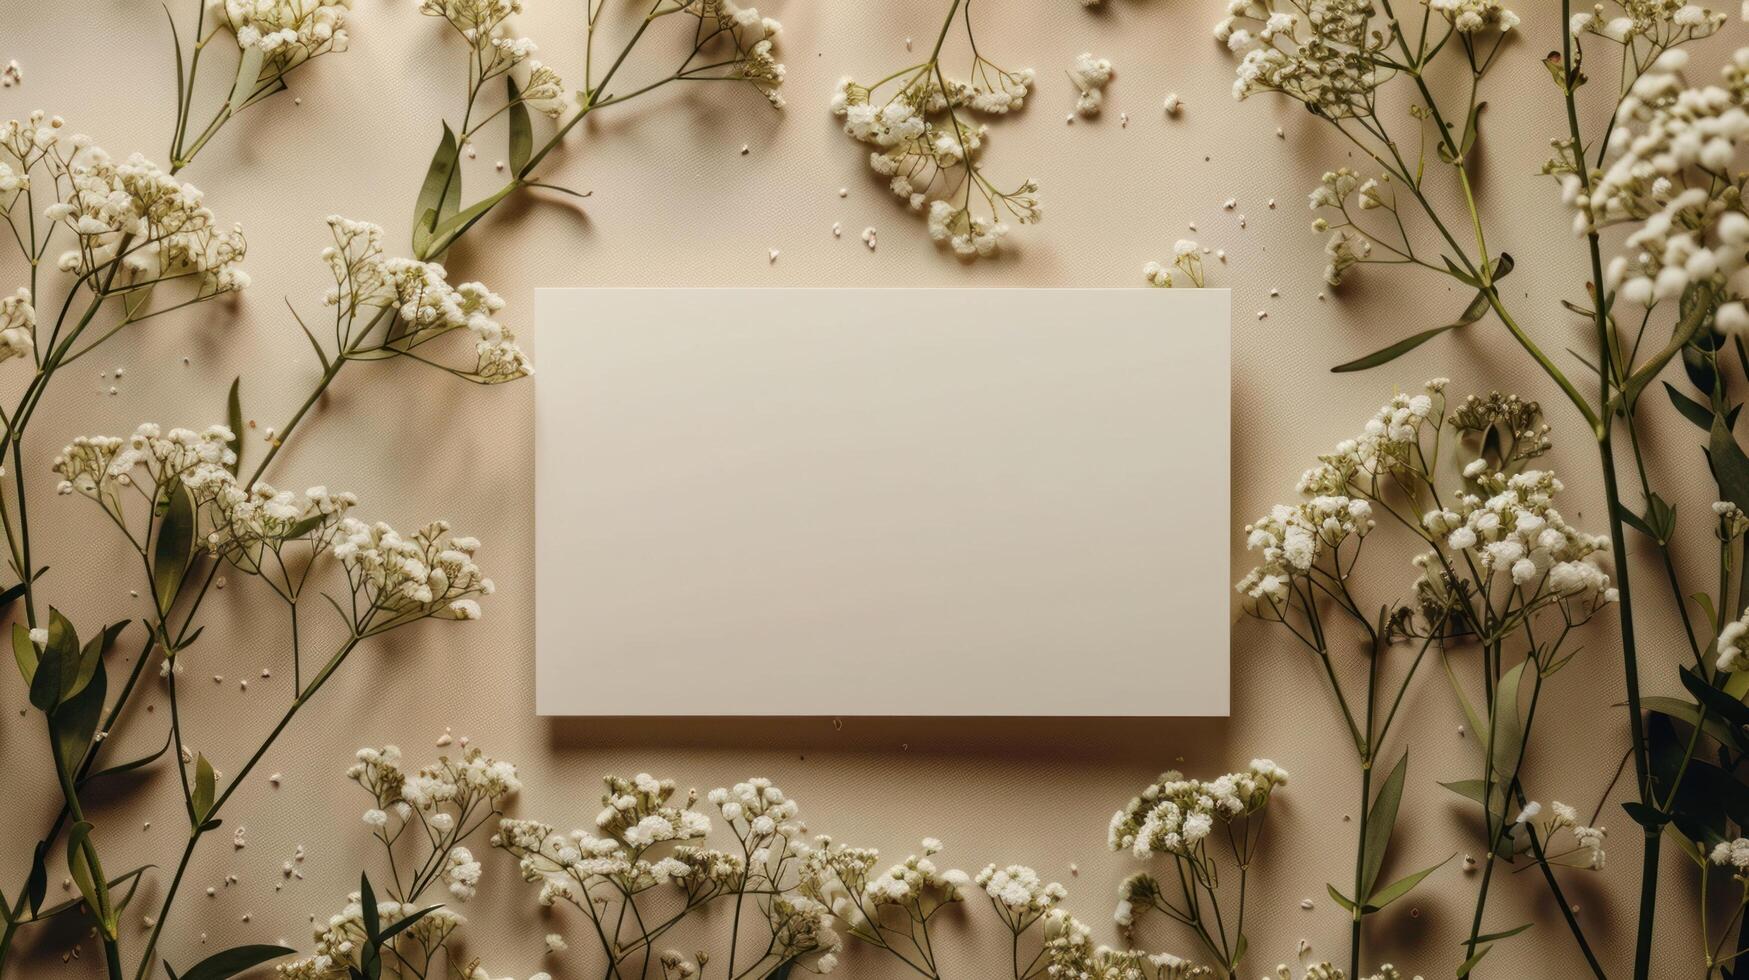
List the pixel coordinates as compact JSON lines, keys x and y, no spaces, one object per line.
{"x":1323,"y":59}
{"x":1174,"y":814}
{"x":340,"y":940}
{"x":1475,"y":16}
{"x":131,"y":212}
{"x":102,"y":467}
{"x":1292,"y":539}
{"x":461,"y":874}
{"x":1019,"y":889}
{"x":17,"y":325}
{"x":751,"y":40}
{"x":1328,"y":971}
{"x":247,"y":525}
{"x":396,"y":579}
{"x":1730,"y":645}
{"x":1186,"y":258}
{"x":1658,"y":23}
{"x":420,"y":295}
{"x":1670,"y":149}
{"x":1510,"y":528}
{"x":288,"y":32}
{"x":1089,"y":76}
{"x":1734,"y":853}
{"x":931,"y":156}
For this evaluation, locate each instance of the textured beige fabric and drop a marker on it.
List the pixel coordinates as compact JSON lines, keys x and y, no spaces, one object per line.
{"x":676,"y":202}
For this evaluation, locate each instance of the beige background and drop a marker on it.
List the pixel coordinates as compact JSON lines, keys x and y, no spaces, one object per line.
{"x":799,"y":478}
{"x":676,"y":203}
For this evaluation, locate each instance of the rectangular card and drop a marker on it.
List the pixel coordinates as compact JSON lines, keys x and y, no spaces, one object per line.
{"x":882,"y":501}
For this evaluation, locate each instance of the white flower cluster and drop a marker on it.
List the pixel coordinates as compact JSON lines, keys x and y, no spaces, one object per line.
{"x":1734,"y":853}
{"x":754,"y":38}
{"x":930,"y":156}
{"x":101,"y":467}
{"x":1323,"y":58}
{"x":756,"y":810}
{"x":1292,"y":539}
{"x":428,"y":574}
{"x":1389,"y":445}
{"x":247,"y":524}
{"x":1661,"y":23}
{"x":1586,"y":850}
{"x":420,"y":294}
{"x":1069,"y":954}
{"x":1019,"y":889}
{"x":1731,"y":655}
{"x":1089,"y":76}
{"x":288,"y":32}
{"x":17,"y":324}
{"x":485,"y":26}
{"x":1512,"y":529}
{"x":340,"y":941}
{"x":1674,"y":151}
{"x":1347,"y":245}
{"x":1328,"y":971}
{"x":918,"y":881}
{"x":1186,"y":258}
{"x":1175,"y":814}
{"x":156,"y":226}
{"x":1475,"y":16}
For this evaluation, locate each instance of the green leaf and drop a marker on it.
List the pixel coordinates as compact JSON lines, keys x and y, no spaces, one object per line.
{"x":1397,"y":889}
{"x":1689,"y":408}
{"x":204,"y":784}
{"x":130,"y":765}
{"x":1497,"y":936}
{"x":1687,"y":711}
{"x":24,"y":651}
{"x":74,"y":722}
{"x":521,"y":132}
{"x":1469,"y":789}
{"x":1506,"y":724}
{"x":36,"y":886}
{"x":428,"y":209}
{"x":1381,"y":819}
{"x":1648,"y":817}
{"x":1468,"y":965}
{"x":1339,"y":898}
{"x":453,"y":227}
{"x":59,"y":664}
{"x":174,"y":548}
{"x":1470,"y":713}
{"x":1730,"y":466}
{"x":1394,"y":351}
{"x":228,"y":963}
{"x":1715,"y":700}
{"x":248,"y":73}
{"x":131,"y":879}
{"x":234,"y":417}
{"x":1696,"y":305}
{"x":79,"y":869}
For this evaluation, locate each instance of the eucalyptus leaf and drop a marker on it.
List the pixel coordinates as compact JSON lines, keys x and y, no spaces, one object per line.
{"x":427,"y":209}
{"x":74,"y":722}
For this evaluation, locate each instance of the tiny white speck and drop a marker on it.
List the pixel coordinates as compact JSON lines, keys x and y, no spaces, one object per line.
{"x":773,"y":257}
{"x":1230,"y":203}
{"x":1306,"y":903}
{"x":745,"y":149}
{"x":837,"y":230}
{"x":843,"y":192}
{"x":1262,"y":314}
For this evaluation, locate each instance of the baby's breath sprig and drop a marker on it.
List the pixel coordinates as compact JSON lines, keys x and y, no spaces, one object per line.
{"x":646,"y":866}
{"x":1500,"y":561}
{"x":918,"y":119}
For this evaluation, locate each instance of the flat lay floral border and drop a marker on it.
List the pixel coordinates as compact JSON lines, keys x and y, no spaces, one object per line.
{"x":1502,"y":592}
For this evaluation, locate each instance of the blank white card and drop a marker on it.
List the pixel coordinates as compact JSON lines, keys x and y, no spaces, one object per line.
{"x":882,"y":501}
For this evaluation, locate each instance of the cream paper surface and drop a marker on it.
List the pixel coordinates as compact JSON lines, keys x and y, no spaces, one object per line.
{"x":1012,"y":496}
